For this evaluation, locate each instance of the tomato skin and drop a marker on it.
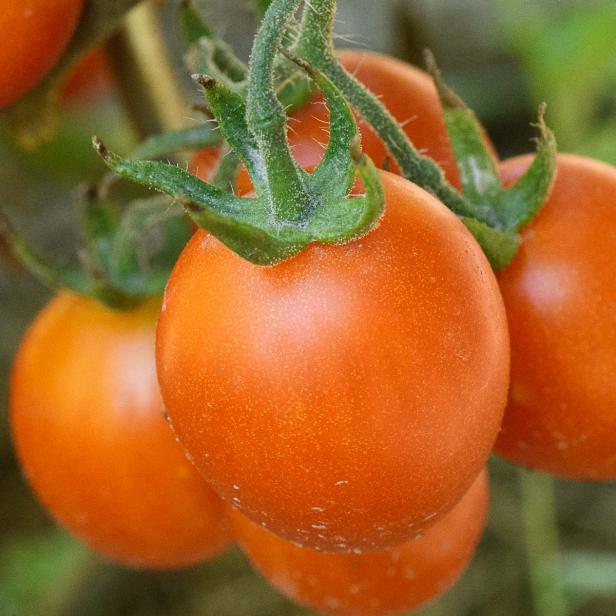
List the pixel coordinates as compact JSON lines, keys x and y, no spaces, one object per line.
{"x":406,"y":91}
{"x":376,"y":583}
{"x":349,"y":396}
{"x":560,"y":295}
{"x":34,"y":34}
{"x":88,"y":426}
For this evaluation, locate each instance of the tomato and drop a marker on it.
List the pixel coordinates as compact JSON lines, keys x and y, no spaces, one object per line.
{"x":560,"y":296}
{"x":91,"y":78}
{"x":348,"y":397}
{"x":88,"y":426}
{"x":376,"y":583}
{"x":406,"y":91}
{"x":34,"y":34}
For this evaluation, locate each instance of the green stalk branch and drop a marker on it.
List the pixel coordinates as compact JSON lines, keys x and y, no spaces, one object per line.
{"x":315,"y":44}
{"x":541,"y":539}
{"x":292,"y":208}
{"x":267,"y":117}
{"x":145,"y":73}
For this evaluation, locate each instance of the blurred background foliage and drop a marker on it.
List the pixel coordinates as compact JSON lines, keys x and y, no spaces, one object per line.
{"x":550,"y":546}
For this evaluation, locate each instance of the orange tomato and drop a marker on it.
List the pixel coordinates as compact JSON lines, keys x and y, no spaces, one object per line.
{"x":376,"y":583}
{"x":88,"y":426}
{"x":406,"y":91}
{"x":560,"y":295}
{"x":34,"y":34}
{"x":348,"y":397}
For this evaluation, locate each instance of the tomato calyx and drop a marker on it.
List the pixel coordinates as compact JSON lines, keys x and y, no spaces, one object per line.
{"x":493,"y":215}
{"x":291,"y":207}
{"x":126,"y":257}
{"x":504,"y":210}
{"x":315,"y":44}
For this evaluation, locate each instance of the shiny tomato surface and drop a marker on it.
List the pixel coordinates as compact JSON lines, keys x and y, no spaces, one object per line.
{"x":377,"y":583}
{"x":560,"y":295}
{"x":348,"y":397}
{"x":34,"y":34}
{"x":88,"y":426}
{"x":406,"y":91}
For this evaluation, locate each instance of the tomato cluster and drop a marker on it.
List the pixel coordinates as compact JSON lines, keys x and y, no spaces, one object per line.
{"x":344,"y":402}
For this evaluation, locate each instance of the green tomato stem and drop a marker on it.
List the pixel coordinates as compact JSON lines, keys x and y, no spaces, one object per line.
{"x":492,"y":214}
{"x":146,"y":77}
{"x":292,"y":208}
{"x":541,"y":540}
{"x":315,"y":44}
{"x":268,"y":120}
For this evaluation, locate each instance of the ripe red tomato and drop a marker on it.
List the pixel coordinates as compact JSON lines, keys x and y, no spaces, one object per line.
{"x":88,"y":426}
{"x":406,"y":91}
{"x":560,"y":295}
{"x":348,"y":397}
{"x":376,"y":583}
{"x":34,"y":34}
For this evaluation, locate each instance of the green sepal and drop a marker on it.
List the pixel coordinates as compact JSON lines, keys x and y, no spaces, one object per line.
{"x":226,"y":172}
{"x":146,"y":244}
{"x":357,"y":215}
{"x":99,"y":222}
{"x":335,"y":173}
{"x":475,"y":161}
{"x":245,"y":225}
{"x":239,"y":223}
{"x":498,"y":246}
{"x":50,"y":272}
{"x":506,"y":209}
{"x":520,"y":203}
{"x":229,"y":109}
{"x":266,"y":117}
{"x":204,"y":135}
{"x":292,"y":208}
{"x":87,"y":280}
{"x":315,"y":44}
{"x":260,"y":245}
{"x":126,"y":259}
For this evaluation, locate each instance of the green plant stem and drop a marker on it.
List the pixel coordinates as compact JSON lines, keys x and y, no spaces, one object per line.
{"x":541,"y":540}
{"x":145,"y":73}
{"x":267,"y":118}
{"x":316,"y":46}
{"x":292,"y":208}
